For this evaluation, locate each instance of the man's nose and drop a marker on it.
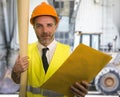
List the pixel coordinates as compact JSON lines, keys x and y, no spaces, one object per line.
{"x":45,"y":29}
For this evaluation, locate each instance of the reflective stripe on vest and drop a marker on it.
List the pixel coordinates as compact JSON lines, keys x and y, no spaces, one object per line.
{"x":44,"y":92}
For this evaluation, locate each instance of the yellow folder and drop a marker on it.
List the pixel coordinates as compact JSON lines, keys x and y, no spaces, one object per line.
{"x":83,"y":64}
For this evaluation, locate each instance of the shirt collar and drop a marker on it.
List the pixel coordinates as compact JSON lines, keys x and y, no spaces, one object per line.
{"x":50,"y":46}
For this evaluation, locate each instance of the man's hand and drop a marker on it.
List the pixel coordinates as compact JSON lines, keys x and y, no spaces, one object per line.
{"x":80,"y":89}
{"x":21,"y":64}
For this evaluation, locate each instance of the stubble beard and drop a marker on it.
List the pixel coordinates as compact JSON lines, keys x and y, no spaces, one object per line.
{"x":46,"y":42}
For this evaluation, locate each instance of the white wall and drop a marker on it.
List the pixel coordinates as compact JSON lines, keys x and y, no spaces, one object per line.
{"x":110,"y":25}
{"x":100,"y":17}
{"x":89,"y":17}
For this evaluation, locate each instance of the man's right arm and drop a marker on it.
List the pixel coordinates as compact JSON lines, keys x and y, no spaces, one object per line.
{"x":16,"y":77}
{"x":20,"y":66}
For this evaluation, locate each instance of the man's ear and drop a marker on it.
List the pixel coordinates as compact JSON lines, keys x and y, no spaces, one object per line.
{"x":56,"y":25}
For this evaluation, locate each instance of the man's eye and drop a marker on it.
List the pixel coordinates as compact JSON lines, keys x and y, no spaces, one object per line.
{"x":50,"y":25}
{"x":38,"y":26}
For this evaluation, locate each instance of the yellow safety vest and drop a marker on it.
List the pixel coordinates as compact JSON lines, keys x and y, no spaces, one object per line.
{"x":36,"y":74}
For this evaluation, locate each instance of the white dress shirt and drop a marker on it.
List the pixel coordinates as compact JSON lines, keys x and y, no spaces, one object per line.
{"x":51,"y":50}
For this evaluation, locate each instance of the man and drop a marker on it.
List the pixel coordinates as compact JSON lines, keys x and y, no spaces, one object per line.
{"x":45,"y":21}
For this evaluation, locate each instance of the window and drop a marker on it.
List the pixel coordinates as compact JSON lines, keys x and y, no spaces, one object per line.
{"x":92,"y":40}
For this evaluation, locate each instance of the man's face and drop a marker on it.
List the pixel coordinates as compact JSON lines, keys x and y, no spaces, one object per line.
{"x":45,"y":28}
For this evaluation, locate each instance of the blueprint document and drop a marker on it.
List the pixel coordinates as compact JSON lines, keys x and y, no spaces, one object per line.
{"x":83,"y":64}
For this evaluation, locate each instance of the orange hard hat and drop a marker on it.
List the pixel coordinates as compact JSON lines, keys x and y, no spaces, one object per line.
{"x":44,"y":9}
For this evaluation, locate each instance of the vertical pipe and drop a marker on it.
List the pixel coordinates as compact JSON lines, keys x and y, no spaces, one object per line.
{"x":6,"y":23}
{"x":23,"y":18}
